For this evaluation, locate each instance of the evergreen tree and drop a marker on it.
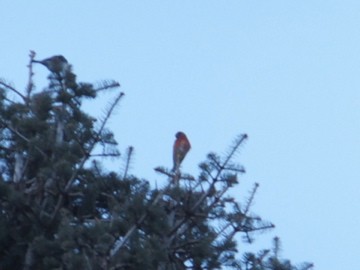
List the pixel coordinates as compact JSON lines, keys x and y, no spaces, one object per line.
{"x":59,"y":209}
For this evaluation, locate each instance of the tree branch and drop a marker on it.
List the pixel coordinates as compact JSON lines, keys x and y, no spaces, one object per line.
{"x":86,"y":156}
{"x":13,"y":89}
{"x":30,"y":85}
{"x":122,"y":242}
{"x":129,"y":154}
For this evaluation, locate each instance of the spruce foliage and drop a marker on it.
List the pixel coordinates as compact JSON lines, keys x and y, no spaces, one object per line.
{"x":59,"y":209}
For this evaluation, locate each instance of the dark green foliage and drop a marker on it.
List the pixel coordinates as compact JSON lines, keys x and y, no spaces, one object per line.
{"x":270,"y":260}
{"x":59,"y":209}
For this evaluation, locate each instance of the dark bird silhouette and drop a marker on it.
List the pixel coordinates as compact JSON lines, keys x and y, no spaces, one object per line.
{"x":56,"y":64}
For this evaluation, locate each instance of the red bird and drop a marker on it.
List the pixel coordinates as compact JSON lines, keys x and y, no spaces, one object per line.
{"x":181,"y":147}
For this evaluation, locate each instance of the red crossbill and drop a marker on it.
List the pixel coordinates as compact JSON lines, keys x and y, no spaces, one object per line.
{"x":181,"y":147}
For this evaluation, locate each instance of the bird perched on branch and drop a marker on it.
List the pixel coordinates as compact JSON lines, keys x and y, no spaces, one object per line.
{"x":181,"y":147}
{"x":56,"y":64}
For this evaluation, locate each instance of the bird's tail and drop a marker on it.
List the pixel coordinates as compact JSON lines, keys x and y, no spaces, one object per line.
{"x":175,"y":168}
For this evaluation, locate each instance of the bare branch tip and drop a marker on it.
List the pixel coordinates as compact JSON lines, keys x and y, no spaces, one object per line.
{"x":32,"y":54}
{"x":158,"y":169}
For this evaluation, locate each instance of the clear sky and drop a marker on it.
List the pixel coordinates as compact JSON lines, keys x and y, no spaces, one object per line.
{"x":284,"y":72}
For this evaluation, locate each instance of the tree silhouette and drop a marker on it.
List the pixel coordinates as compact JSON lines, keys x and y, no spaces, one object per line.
{"x":60,"y":209}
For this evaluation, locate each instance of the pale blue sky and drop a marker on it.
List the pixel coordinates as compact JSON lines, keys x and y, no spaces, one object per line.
{"x":284,"y":72}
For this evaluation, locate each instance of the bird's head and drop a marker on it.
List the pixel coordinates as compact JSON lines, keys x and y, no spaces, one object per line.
{"x":180,"y":134}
